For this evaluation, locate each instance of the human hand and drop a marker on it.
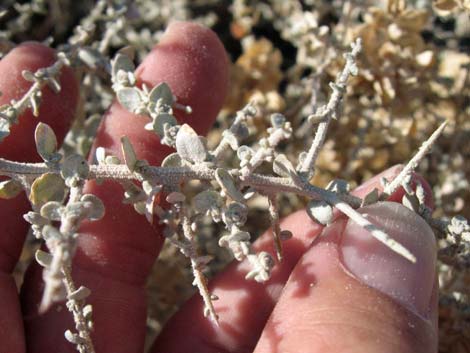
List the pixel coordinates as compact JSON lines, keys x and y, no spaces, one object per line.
{"x":339,"y":292}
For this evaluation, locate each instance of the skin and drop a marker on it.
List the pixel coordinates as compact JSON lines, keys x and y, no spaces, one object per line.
{"x":115,"y":254}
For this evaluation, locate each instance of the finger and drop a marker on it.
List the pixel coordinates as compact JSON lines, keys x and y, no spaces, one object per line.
{"x":56,"y":110}
{"x":244,"y":306}
{"x":115,"y":254}
{"x":351,"y":293}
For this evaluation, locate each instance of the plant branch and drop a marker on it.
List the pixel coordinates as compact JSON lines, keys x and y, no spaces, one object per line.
{"x":177,"y":175}
{"x":413,"y":163}
{"x":200,"y":280}
{"x":328,"y":112}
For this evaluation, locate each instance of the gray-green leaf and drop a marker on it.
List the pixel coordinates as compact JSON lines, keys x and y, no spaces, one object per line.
{"x":129,"y":98}
{"x":94,"y":205}
{"x":227,"y":184}
{"x":122,"y":62}
{"x":173,"y":160}
{"x":162,"y":91}
{"x":73,"y":169}
{"x":47,"y":187}
{"x":283,"y":167}
{"x":189,"y":146}
{"x":160,"y":120}
{"x":4,"y":129}
{"x":207,"y":200}
{"x":52,"y":210}
{"x":46,"y":141}
{"x":128,"y":152}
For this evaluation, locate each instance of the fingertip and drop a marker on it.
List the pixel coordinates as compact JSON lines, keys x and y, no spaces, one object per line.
{"x":239,"y":326}
{"x":333,"y":311}
{"x":192,"y":60}
{"x":376,"y":265}
{"x":56,"y":109}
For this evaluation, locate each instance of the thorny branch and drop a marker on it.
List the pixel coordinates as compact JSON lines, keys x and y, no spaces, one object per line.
{"x":191,"y":162}
{"x":325,"y":113}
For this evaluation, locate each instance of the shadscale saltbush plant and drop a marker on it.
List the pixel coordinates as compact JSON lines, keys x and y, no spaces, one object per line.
{"x":225,"y":193}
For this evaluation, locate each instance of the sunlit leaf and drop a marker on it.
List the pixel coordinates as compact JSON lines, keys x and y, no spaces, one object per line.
{"x":189,"y":146}
{"x":128,"y":152}
{"x":73,"y":169}
{"x":46,"y":141}
{"x":283,"y":167}
{"x":47,"y":187}
{"x":43,"y":258}
{"x":227,"y":184}
{"x":162,"y":91}
{"x":10,"y":189}
{"x":129,"y":98}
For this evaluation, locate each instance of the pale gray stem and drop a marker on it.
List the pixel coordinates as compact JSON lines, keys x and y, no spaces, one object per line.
{"x":328,"y":112}
{"x":177,"y":175}
{"x":77,"y":310}
{"x":413,"y":163}
{"x":275,"y":224}
{"x":199,"y":279}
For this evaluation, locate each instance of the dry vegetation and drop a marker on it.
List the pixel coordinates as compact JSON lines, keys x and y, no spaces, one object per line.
{"x":413,"y":74}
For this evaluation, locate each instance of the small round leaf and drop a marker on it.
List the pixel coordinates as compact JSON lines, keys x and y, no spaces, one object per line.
{"x":46,"y":141}
{"x":122,"y":62}
{"x":162,"y":91}
{"x":129,"y":98}
{"x":94,"y":206}
{"x":47,"y":187}
{"x":10,"y":189}
{"x":189,"y":146}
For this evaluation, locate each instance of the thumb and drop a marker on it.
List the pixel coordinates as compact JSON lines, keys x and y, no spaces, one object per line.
{"x":350,"y":293}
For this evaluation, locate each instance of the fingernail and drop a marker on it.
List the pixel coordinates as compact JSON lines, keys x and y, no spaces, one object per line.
{"x":374,"y":264}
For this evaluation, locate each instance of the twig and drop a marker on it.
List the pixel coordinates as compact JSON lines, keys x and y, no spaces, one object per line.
{"x":413,"y":163}
{"x":199,"y":279}
{"x":328,"y":112}
{"x":178,"y":175}
{"x":276,"y":228}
